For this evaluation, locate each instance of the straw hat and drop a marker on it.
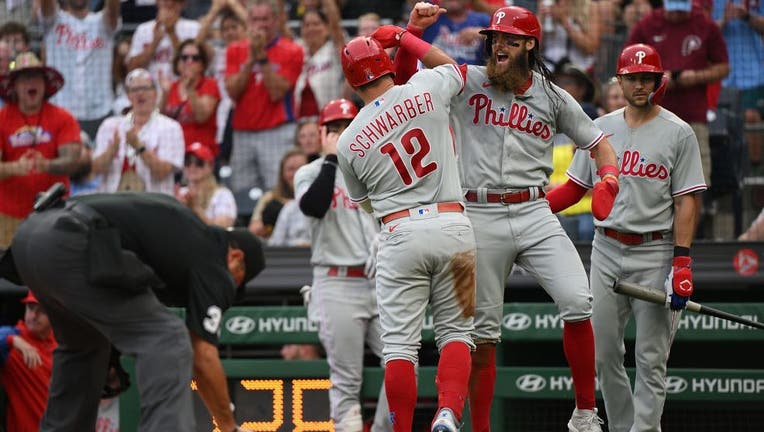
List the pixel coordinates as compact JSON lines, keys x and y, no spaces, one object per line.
{"x":28,"y":62}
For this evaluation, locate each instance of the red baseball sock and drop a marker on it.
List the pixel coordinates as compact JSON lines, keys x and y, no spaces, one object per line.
{"x":578,"y":343}
{"x":482,"y":381}
{"x":400,"y":388}
{"x":453,"y":377}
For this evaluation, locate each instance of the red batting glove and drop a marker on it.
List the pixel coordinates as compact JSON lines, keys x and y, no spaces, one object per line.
{"x":603,"y":196}
{"x":681,"y":283}
{"x":389,"y":36}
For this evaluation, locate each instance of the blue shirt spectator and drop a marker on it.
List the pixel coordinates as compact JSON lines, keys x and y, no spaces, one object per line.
{"x":456,"y":32}
{"x":744,"y":44}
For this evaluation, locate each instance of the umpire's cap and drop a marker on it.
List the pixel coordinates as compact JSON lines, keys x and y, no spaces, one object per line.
{"x":254,"y":258}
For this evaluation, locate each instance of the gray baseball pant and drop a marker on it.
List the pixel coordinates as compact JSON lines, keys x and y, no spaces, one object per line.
{"x":648,"y":265}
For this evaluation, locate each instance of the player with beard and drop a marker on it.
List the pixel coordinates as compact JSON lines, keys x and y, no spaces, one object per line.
{"x":504,"y":123}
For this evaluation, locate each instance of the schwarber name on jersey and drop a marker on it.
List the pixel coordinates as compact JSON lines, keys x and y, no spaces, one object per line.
{"x":658,"y":160}
{"x":510,"y":136}
{"x":398,"y":151}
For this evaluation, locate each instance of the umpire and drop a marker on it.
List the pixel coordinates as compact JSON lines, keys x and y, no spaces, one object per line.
{"x":104,"y":266}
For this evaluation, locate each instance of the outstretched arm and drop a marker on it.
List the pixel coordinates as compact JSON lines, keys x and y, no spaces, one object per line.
{"x":565,"y":195}
{"x":211,"y":382}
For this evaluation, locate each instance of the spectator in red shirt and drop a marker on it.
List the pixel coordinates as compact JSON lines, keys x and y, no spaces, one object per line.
{"x":26,"y":360}
{"x":261,"y":73}
{"x":39,"y":141}
{"x":193,"y":98}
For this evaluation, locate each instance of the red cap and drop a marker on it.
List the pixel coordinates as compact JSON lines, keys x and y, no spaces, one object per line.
{"x":30,"y":298}
{"x":201,"y":151}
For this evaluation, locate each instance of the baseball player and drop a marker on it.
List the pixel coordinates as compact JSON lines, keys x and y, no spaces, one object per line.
{"x":343,"y":296}
{"x":504,"y":123}
{"x":398,"y":160}
{"x":653,"y":218}
{"x":100,"y":265}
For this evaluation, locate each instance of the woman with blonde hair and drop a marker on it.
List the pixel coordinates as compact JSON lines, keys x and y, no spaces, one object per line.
{"x":213,"y":203}
{"x":269,"y":205}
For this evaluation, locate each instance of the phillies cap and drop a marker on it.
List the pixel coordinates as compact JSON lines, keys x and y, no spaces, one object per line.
{"x":677,"y":5}
{"x":201,"y":151}
{"x":30,"y":298}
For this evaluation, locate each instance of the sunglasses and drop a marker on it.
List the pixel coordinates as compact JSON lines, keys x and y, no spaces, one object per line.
{"x":194,"y":57}
{"x":192,"y":160}
{"x":138,"y":89}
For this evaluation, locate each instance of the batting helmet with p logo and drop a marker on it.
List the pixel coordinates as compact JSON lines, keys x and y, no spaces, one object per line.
{"x":643,"y":58}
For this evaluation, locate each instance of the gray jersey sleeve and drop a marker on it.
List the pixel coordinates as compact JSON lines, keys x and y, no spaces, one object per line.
{"x":573,"y":122}
{"x":305,"y":176}
{"x":580,"y":169}
{"x":356,"y":188}
{"x":687,"y":176}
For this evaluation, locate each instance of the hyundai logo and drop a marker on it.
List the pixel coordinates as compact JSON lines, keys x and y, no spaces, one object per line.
{"x":517,"y":321}
{"x":675,"y":384}
{"x":531,"y":383}
{"x":240,"y":325}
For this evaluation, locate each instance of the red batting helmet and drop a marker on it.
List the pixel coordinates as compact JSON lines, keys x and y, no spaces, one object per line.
{"x":364,"y":60}
{"x":639,"y":58}
{"x":514,"y":20}
{"x":643,"y":58}
{"x":337,"y":109}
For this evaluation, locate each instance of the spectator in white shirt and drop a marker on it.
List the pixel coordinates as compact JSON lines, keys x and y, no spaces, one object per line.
{"x":80,"y":44}
{"x":139,"y":151}
{"x":154,"y":42}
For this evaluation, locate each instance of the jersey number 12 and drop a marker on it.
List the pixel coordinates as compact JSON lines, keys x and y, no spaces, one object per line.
{"x":407,"y":140}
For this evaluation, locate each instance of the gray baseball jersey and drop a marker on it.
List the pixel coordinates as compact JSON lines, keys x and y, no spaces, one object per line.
{"x":510,"y":137}
{"x":505,"y":143}
{"x":658,"y":161}
{"x":403,"y":130}
{"x":343,"y":236}
{"x":399,"y":153}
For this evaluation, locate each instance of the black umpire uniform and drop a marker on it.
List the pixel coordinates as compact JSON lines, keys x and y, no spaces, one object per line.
{"x":104,"y":266}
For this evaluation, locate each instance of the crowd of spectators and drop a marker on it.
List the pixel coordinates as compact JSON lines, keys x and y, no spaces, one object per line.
{"x":247,"y":79}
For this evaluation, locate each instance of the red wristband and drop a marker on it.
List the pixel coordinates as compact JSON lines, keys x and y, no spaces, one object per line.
{"x":415,"y":46}
{"x":608,"y":169}
{"x":416,"y":31}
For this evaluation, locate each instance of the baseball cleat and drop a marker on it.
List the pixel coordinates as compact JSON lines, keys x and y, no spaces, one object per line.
{"x":585,"y":421}
{"x":445,"y":421}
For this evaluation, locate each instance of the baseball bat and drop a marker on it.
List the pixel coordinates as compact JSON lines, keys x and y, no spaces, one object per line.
{"x":661,"y":297}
